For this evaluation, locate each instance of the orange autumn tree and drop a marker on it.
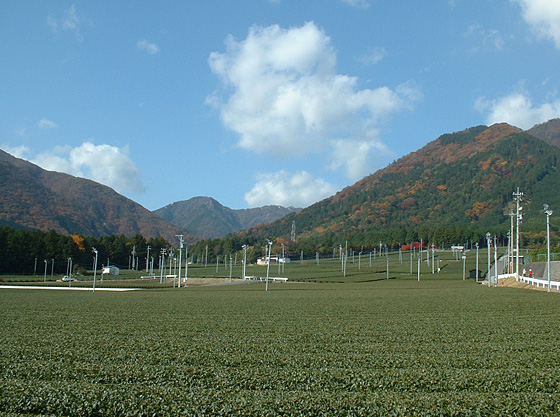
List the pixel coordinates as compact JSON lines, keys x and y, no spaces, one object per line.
{"x":79,"y":241}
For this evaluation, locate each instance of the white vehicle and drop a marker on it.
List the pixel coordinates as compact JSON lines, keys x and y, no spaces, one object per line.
{"x":66,"y":278}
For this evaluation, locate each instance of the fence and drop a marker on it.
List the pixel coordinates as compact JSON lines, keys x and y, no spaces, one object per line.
{"x":540,"y":282}
{"x":541,"y":257}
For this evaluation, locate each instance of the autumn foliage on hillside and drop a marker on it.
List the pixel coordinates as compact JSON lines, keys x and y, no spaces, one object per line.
{"x":455,"y":188}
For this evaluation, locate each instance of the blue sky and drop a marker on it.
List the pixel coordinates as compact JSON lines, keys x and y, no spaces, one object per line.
{"x":263,"y":102}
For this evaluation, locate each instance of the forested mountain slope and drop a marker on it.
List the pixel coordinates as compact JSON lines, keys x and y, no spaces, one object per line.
{"x":455,"y":187}
{"x":31,"y":197}
{"x":210,"y":219}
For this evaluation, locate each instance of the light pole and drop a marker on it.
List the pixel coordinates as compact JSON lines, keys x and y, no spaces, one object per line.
{"x":496,"y":260}
{"x":45,"y":278}
{"x":244,"y":261}
{"x":464,"y":257}
{"x":510,"y":245}
{"x":268,"y":263}
{"x":488,"y":243}
{"x":95,"y":269}
{"x":147,"y":258}
{"x":283,"y":259}
{"x":180,"y":256}
{"x":387,"y":266}
{"x":476,"y":261}
{"x":162,"y":265}
{"x":517,"y":195}
{"x":548,"y":213}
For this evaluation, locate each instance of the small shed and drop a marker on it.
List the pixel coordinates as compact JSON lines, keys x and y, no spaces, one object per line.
{"x":472,"y":273}
{"x":111,"y":270}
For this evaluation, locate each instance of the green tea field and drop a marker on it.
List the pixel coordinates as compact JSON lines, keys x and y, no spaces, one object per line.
{"x":389,"y":347}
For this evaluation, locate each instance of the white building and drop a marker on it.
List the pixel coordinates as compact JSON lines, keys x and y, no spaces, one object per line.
{"x":274,"y":260}
{"x":111,"y":270}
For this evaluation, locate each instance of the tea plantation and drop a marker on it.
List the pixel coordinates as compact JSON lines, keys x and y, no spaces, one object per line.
{"x":393,"y":347}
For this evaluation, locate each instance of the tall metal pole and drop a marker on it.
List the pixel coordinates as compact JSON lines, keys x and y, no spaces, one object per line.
{"x":345,"y":258}
{"x":283,"y":259}
{"x":496,"y":260}
{"x":517,"y":195}
{"x":510,"y":247}
{"x":464,"y":257}
{"x":548,"y":214}
{"x":148,"y":258}
{"x":162,"y":265}
{"x":45,"y":278}
{"x":488,"y":237}
{"x":476,"y":261}
{"x":180,"y":256}
{"x":244,"y":261}
{"x":186,"y":264}
{"x":433,"y":258}
{"x":268,"y":264}
{"x":387,"y":267}
{"x":95,"y":269}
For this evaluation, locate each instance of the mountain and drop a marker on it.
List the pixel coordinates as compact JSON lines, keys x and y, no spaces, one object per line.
{"x":31,"y":197}
{"x":548,"y":131}
{"x":458,"y":186}
{"x":210,"y":219}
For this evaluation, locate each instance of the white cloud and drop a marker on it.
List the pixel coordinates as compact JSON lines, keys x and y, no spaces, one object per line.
{"x":68,"y":21}
{"x":46,"y":124}
{"x":288,"y":189}
{"x":17,"y":151}
{"x":544,"y":17}
{"x":105,"y":164}
{"x":357,"y":157}
{"x":488,"y":38}
{"x":360,"y":4}
{"x":148,"y":47}
{"x":281,"y":94}
{"x":517,"y":109}
{"x":373,"y":55}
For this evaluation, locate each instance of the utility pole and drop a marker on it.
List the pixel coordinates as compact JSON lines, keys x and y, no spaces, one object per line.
{"x":162,"y":265}
{"x":477,"y":261}
{"x":510,"y":244}
{"x":488,"y":244}
{"x":268,"y":263}
{"x":148,"y":258}
{"x":95,"y":268}
{"x":244,"y":261}
{"x":133,"y":256}
{"x":548,"y":214}
{"x":180,"y":257}
{"x":283,"y":259}
{"x":496,"y":260}
{"x":518,"y":198}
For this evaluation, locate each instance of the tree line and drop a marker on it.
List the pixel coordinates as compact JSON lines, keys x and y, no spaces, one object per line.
{"x":28,"y":252}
